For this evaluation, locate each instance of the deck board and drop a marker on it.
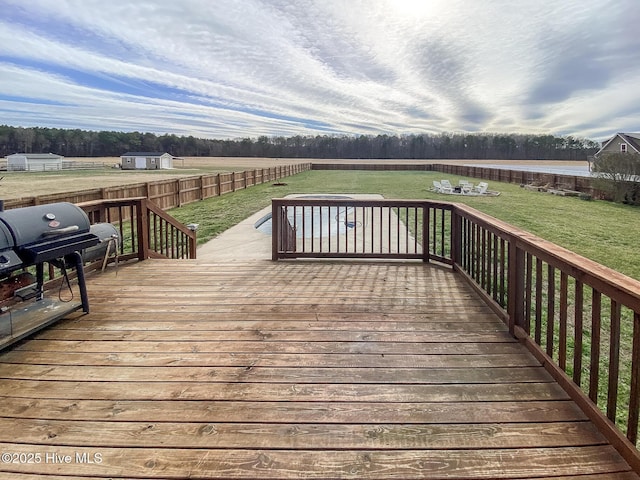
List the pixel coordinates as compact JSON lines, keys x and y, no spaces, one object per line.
{"x":289,"y":370}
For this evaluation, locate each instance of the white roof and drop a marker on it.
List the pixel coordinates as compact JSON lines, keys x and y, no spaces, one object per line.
{"x":37,"y":156}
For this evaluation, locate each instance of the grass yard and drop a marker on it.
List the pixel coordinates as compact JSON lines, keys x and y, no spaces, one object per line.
{"x":602,"y":231}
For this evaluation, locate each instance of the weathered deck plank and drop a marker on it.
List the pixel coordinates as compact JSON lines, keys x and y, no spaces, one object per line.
{"x":289,"y":370}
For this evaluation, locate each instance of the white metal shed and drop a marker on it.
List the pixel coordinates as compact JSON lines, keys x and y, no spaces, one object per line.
{"x":34,"y":162}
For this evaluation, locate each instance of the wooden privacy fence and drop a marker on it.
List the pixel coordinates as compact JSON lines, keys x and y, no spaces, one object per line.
{"x":364,"y":165}
{"x":170,"y":193}
{"x":581,"y":319}
{"x":569,"y":182}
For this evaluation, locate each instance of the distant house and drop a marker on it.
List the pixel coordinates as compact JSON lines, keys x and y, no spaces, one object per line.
{"x":146,"y":161}
{"x":34,"y":162}
{"x":621,"y":143}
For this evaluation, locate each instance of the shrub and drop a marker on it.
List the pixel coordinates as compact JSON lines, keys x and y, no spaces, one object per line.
{"x":618,"y":174}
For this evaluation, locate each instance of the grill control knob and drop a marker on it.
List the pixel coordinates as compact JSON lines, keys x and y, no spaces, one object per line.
{"x":4,"y":260}
{"x":50,"y":216}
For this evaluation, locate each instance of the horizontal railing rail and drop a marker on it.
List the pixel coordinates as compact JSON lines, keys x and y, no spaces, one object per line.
{"x":581,"y":319}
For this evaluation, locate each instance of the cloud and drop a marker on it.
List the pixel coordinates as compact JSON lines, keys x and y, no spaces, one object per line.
{"x":287,"y":67}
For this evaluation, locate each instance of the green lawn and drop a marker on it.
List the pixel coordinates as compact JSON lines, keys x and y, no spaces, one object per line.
{"x":602,"y":231}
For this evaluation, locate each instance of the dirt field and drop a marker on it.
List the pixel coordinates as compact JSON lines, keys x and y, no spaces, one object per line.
{"x":29,"y":184}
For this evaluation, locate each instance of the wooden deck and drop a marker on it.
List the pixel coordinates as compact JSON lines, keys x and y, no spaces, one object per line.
{"x":185,"y":369}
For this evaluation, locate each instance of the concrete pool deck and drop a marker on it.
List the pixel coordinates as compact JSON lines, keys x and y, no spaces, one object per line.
{"x":243,"y":242}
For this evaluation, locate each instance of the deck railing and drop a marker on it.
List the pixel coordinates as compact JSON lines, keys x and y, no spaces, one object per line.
{"x":146,"y":231}
{"x":581,"y":319}
{"x":348,"y":228}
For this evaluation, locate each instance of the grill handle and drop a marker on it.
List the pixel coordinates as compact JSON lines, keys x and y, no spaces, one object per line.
{"x":61,"y":231}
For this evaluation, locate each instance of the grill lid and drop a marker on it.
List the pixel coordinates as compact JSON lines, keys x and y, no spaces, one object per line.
{"x":29,"y":225}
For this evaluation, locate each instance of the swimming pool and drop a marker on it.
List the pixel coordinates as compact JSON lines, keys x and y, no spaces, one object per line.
{"x":319,"y":221}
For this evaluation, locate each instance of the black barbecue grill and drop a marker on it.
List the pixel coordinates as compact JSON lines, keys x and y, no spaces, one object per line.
{"x":56,"y":233}
{"x":42,"y":233}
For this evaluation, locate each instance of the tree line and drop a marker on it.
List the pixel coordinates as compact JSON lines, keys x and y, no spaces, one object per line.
{"x":84,"y":143}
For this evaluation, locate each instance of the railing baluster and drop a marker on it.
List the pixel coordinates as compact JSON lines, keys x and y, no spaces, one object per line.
{"x":434,"y":232}
{"x":614,"y":361}
{"x":355,"y":229}
{"x":503,"y":272}
{"x":578,"y":333}
{"x":398,"y":231}
{"x":594,"y":370}
{"x":526,"y":324}
{"x":551,"y":302}
{"x":329,"y":227}
{"x":313,"y":227}
{"x":477,"y":254}
{"x":538,"y":328}
{"x":562,"y":341}
{"x":483,"y":258}
{"x":496,"y":260}
{"x":634,"y":397}
{"x":490,"y":253}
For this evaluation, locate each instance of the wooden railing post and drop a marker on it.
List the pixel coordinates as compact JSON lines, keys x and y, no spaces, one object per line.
{"x":456,"y":237}
{"x":425,"y":233}
{"x":515,"y":287}
{"x":275,"y":229}
{"x":143,"y":229}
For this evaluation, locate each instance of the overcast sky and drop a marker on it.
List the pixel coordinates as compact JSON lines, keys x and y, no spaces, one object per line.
{"x":245,"y":68}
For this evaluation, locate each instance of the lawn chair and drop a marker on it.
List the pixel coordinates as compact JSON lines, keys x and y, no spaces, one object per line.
{"x":465,"y":187}
{"x":446,"y":186}
{"x":481,"y":188}
{"x":437,"y":186}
